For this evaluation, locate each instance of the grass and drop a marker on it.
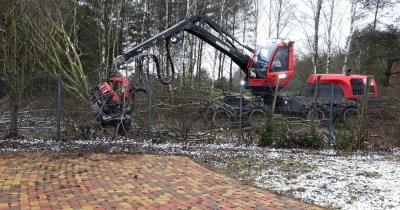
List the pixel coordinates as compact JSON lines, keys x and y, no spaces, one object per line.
{"x":369,"y":174}
{"x":246,"y":169}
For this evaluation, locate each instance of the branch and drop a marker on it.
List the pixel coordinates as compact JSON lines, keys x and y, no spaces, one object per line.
{"x":62,"y":57}
{"x":395,"y":60}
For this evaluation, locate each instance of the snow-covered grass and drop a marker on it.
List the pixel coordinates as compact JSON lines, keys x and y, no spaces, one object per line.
{"x":331,"y":179}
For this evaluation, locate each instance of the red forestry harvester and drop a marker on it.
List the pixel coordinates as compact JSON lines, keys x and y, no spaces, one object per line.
{"x":263,"y":65}
{"x":268,"y":67}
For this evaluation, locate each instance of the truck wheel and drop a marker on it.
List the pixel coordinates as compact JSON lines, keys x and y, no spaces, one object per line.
{"x":320,"y":115}
{"x":222,"y":118}
{"x":257,"y":117}
{"x":351,"y":117}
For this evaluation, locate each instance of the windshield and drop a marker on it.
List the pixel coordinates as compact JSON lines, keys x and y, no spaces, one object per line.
{"x":260,"y":60}
{"x":263,"y":53}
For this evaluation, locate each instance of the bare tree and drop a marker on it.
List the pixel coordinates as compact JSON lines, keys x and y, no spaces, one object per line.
{"x":17,"y":51}
{"x":375,"y":7}
{"x":317,"y":17}
{"x":348,"y":39}
{"x":256,"y":16}
{"x":329,"y":34}
{"x":308,"y":26}
{"x":216,"y":52}
{"x":108,"y":16}
{"x":284,"y":11}
{"x":53,"y":40}
{"x":274,"y":17}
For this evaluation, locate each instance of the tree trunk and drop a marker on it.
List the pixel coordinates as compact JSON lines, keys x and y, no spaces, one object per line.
{"x":216,"y":55}
{"x":378,"y":2}
{"x":16,"y":59}
{"x":328,"y":60}
{"x":348,"y":40}
{"x":191,"y":58}
{"x":388,"y":72}
{"x":199,"y":59}
{"x":231,"y":64}
{"x":13,"y":66}
{"x":316,"y":30}
{"x":14,"y":101}
{"x":269,"y":18}
{"x":279,"y":18}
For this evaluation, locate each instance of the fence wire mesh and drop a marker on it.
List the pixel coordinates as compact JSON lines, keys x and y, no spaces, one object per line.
{"x":36,"y":110}
{"x":197,"y":112}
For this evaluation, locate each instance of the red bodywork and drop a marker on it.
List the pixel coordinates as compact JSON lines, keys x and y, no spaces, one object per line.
{"x":114,"y":86}
{"x":271,"y":77}
{"x":345,"y":82}
{"x":106,"y":89}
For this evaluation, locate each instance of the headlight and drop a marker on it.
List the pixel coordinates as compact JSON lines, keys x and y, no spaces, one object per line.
{"x":282,"y":76}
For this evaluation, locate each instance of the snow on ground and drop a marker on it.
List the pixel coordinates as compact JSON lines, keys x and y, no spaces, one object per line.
{"x":361,"y":180}
{"x":354,"y":182}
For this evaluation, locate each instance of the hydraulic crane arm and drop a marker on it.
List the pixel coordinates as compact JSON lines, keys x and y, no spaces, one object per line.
{"x":195,"y":25}
{"x":268,"y":66}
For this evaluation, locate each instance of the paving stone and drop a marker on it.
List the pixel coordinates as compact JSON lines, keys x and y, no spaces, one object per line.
{"x":62,"y":181}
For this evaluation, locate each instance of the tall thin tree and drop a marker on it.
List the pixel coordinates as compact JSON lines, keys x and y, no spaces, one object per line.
{"x":317,"y":17}
{"x":353,"y":12}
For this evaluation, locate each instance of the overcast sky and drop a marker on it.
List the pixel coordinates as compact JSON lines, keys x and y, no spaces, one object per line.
{"x":302,"y":24}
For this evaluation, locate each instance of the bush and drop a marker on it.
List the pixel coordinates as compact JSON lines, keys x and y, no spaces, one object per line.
{"x":281,"y":133}
{"x":267,"y":133}
{"x":345,"y":139}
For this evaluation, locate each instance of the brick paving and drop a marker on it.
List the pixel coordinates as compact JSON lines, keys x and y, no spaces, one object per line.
{"x":101,"y":181}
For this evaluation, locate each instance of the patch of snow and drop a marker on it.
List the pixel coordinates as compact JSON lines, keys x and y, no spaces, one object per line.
{"x":341,"y":182}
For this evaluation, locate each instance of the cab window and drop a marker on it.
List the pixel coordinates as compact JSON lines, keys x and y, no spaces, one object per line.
{"x":357,"y":86}
{"x":280,"y":61}
{"x":260,"y":61}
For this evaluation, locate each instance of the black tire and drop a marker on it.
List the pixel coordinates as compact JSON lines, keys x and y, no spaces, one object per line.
{"x":351,"y":117}
{"x":320,"y":115}
{"x":222,"y":118}
{"x":257,"y":117}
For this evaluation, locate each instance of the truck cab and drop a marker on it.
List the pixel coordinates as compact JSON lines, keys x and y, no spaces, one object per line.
{"x":271,"y":65}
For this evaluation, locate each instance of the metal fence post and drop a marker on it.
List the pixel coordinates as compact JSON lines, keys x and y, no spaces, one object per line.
{"x":240,"y":113}
{"x":58,"y":112}
{"x":330,"y":116}
{"x":149,"y":124}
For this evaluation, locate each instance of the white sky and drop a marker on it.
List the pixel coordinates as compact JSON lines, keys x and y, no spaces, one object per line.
{"x":302,"y":24}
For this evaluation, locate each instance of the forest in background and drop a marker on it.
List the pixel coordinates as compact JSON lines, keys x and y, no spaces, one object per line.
{"x":79,"y":39}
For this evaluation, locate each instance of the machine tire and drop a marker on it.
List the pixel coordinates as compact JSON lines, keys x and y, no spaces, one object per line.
{"x":351,"y":117}
{"x":320,"y":115}
{"x":257,"y":117}
{"x":222,"y":118}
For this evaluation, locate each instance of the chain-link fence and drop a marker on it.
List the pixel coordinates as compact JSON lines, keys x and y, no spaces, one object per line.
{"x":36,"y":110}
{"x":197,"y":112}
